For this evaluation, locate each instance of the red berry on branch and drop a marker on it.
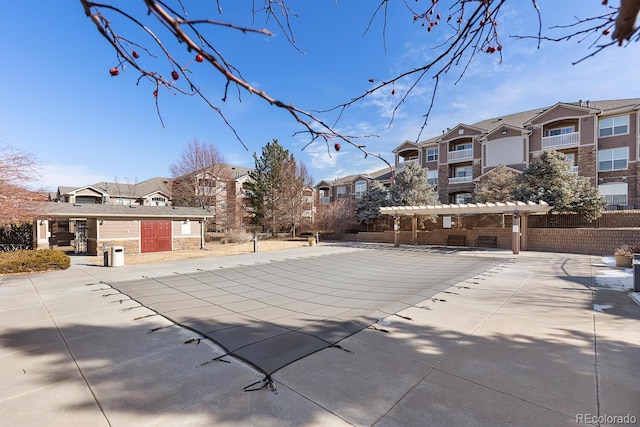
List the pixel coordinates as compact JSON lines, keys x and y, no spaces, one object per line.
{"x":135,"y":54}
{"x":114,"y":71}
{"x":175,"y":75}
{"x":199,"y":58}
{"x":371,"y":80}
{"x":604,"y":2}
{"x":336,"y":146}
{"x":606,"y":32}
{"x":155,"y":93}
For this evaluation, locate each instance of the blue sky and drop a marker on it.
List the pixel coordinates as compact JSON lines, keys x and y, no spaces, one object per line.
{"x":59,"y":102}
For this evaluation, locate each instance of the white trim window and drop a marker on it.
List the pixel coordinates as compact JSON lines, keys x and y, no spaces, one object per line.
{"x":561,"y":131}
{"x":432,"y":154}
{"x":361,"y":188}
{"x":158,"y":201}
{"x":615,"y":193}
{"x":611,"y":126}
{"x":463,"y":171}
{"x":613,"y":160}
{"x":463,"y":146}
{"x":341,"y":192}
{"x":462,"y":198}
{"x":432,"y":177}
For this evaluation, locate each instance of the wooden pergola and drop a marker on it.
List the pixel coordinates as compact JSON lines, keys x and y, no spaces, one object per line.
{"x":519,"y":210}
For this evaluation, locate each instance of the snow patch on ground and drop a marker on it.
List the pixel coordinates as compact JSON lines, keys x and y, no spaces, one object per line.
{"x":612,"y":278}
{"x":615,"y":279}
{"x":600,"y":307}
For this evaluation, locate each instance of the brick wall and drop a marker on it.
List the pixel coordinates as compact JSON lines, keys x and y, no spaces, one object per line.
{"x":588,"y":241}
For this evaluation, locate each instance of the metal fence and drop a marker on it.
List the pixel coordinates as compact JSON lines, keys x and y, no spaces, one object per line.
{"x":608,"y":219}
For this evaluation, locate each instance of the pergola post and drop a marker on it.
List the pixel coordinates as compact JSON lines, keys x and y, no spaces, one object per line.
{"x":515,"y":241}
{"x":414,"y":229}
{"x":396,"y":231}
{"x":524,"y":225}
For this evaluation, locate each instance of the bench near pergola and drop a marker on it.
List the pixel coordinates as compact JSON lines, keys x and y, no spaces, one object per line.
{"x":519,"y":210}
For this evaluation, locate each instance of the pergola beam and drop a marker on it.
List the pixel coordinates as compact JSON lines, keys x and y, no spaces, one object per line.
{"x":468,"y":208}
{"x":517,"y":209}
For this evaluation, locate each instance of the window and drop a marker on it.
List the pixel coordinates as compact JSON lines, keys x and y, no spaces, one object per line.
{"x":361,"y":188}
{"x":432,"y":154}
{"x":561,"y":131}
{"x":571,"y":158}
{"x":324,"y":196}
{"x":463,"y":198}
{"x":341,"y":192}
{"x":615,"y":193}
{"x":464,"y":171}
{"x":612,"y":160}
{"x":614,"y":126}
{"x":432,"y":177}
{"x":159,"y":201}
{"x":465,"y":146}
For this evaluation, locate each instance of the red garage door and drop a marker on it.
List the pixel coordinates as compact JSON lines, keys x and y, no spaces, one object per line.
{"x":155,"y":236}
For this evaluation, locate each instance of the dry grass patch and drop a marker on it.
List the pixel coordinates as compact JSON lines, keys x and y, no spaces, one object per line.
{"x":212,"y":249}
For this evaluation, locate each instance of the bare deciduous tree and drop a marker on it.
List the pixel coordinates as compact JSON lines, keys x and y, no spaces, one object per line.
{"x":470,"y":28}
{"x":337,"y":217}
{"x":202,"y":179}
{"x":18,"y":170}
{"x":296,"y":181}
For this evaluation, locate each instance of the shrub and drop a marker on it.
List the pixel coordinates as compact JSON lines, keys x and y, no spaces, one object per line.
{"x":33,"y":260}
{"x":15,"y":237}
{"x":237,"y":236}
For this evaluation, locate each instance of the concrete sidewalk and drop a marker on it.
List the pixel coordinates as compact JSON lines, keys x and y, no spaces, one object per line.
{"x":517,"y":345}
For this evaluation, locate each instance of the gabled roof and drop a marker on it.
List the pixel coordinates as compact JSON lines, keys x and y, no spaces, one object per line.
{"x":72,"y":190}
{"x":581,"y":110}
{"x":407,"y":145}
{"x":505,"y":126}
{"x":454,"y":133}
{"x":154,"y":185}
{"x":510,"y":169}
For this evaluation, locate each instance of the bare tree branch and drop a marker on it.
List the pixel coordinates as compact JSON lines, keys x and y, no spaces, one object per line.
{"x":469,"y":27}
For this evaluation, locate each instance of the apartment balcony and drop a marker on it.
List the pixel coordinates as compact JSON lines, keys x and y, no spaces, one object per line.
{"x":461,"y":180}
{"x":401,"y":165}
{"x":460,"y":155}
{"x":565,"y":140}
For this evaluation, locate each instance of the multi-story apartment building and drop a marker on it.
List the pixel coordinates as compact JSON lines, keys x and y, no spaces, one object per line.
{"x":599,"y":138}
{"x":350,"y":187}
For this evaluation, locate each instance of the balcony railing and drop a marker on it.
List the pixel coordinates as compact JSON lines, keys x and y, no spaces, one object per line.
{"x":401,"y":165}
{"x":561,"y":141}
{"x":325,"y":200}
{"x":460,"y":155}
{"x":573,"y":169}
{"x":460,"y":179}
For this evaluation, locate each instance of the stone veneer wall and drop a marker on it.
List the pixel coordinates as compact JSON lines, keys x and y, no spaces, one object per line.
{"x":130,"y":246}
